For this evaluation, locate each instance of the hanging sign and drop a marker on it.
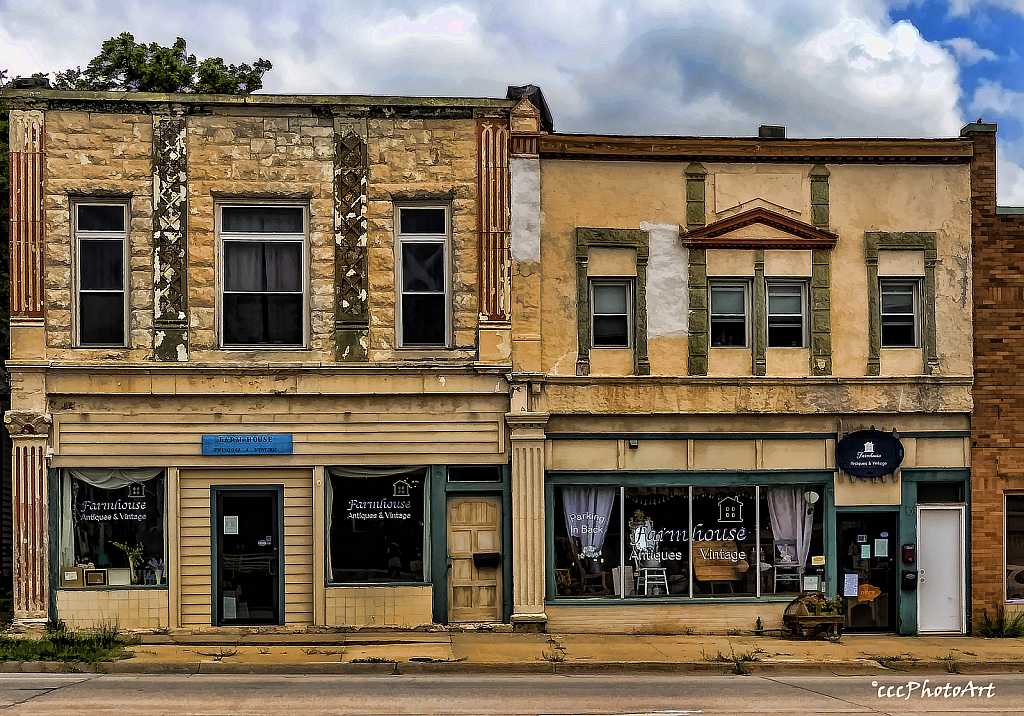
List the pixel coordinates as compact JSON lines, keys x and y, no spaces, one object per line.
{"x":869,"y":453}
{"x":247,"y":445}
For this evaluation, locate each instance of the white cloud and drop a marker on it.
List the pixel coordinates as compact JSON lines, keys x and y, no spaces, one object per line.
{"x":967,"y":51}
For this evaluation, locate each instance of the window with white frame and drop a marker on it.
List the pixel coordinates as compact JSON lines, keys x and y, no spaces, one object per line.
{"x":728,"y":314}
{"x":899,"y":310}
{"x":263,"y":249}
{"x":610,"y":302}
{"x":424,"y":279}
{"x":101,"y":235}
{"x":787,"y":309}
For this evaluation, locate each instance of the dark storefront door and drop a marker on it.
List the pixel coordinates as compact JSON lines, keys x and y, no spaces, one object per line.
{"x":868,"y":570}
{"x":248,"y":563}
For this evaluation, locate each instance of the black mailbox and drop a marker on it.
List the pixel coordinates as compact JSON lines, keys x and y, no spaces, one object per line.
{"x":908,"y":582}
{"x":486,"y":560}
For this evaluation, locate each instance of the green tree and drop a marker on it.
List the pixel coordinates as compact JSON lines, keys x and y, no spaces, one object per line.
{"x":124,"y":65}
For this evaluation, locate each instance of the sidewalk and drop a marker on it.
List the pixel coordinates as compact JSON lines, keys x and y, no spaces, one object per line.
{"x":382,"y":651}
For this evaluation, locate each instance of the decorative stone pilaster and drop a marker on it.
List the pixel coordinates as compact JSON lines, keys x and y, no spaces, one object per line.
{"x":697,"y":282}
{"x":27,"y":139}
{"x":821,"y":277}
{"x":170,"y":302}
{"x":695,"y":202}
{"x":30,"y":433}
{"x":528,"y":559}
{"x":351,"y":317}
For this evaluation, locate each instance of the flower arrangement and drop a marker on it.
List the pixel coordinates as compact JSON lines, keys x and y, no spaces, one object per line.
{"x":134,"y":555}
{"x":824,"y":604}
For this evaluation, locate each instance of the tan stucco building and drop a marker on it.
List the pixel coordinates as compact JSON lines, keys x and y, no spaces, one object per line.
{"x":699,"y":321}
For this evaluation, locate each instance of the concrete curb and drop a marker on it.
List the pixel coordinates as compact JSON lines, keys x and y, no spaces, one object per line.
{"x":564,"y":668}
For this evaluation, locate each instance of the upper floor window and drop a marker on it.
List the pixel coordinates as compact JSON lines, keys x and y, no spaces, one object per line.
{"x":728,"y":314}
{"x":899,"y":309}
{"x":101,"y":236}
{"x":424,"y":276}
{"x":264,"y":298}
{"x":610,"y":301}
{"x":786,"y":312}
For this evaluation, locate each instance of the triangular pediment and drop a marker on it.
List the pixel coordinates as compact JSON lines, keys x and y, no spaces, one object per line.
{"x":760,"y":228}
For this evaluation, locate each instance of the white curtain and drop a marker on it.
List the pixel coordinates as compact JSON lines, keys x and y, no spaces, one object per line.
{"x":792,"y":518}
{"x":104,"y":478}
{"x":589,"y":508}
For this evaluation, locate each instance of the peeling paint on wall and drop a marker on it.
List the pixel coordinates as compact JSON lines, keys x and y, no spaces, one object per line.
{"x":667,"y":304}
{"x":525,"y":210}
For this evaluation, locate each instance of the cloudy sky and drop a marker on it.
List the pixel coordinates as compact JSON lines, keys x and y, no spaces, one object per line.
{"x":680,"y":67}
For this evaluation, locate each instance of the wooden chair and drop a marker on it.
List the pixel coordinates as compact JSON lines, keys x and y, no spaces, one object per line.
{"x":590,"y":582}
{"x":710,"y":568}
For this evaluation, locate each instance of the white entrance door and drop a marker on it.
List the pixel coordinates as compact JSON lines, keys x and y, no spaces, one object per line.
{"x":941,"y":587}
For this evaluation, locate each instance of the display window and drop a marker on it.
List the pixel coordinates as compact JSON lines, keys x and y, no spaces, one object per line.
{"x":681,"y":541}
{"x":377,"y":530}
{"x":112,"y":527}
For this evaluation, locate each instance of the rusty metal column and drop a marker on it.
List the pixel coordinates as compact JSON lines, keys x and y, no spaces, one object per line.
{"x":528,"y":572}
{"x":29,"y":433}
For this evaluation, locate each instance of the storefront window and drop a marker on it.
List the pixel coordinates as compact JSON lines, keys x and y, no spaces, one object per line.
{"x":377,"y":526}
{"x":587,"y":539}
{"x":724,"y":541}
{"x":659,"y":555}
{"x":791,"y":534}
{"x":112,"y":527}
{"x":1015,"y":547}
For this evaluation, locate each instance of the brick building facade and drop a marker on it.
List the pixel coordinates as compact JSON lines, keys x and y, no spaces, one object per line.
{"x":997,"y":424}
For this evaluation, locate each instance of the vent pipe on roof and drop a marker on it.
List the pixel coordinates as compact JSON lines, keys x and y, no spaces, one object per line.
{"x":771,"y":131}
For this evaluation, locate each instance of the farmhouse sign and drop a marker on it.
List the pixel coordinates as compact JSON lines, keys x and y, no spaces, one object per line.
{"x":869,"y":453}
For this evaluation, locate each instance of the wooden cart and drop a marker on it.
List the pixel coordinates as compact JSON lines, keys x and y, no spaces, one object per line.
{"x":802,"y":620}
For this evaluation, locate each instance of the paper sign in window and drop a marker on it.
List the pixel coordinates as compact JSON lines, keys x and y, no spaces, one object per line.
{"x":850,"y":585}
{"x":881,"y":548}
{"x":230,"y":524}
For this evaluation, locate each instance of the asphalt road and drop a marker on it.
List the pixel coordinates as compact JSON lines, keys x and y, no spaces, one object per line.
{"x":217,"y":695}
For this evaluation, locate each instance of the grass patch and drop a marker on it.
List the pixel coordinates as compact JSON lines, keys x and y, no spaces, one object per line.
{"x":739,"y":661}
{"x":107,"y":643}
{"x":1001,"y":626}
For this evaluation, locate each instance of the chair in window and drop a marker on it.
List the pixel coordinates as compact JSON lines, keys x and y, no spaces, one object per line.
{"x":787,"y":568}
{"x":713,"y":564}
{"x":593,"y":579}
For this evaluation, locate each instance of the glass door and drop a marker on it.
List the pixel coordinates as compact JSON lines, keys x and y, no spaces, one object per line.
{"x":247,"y":568}
{"x":869,"y":570}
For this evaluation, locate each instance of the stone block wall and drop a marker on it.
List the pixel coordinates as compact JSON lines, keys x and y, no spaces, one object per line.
{"x":97,"y":156}
{"x":426,"y":160}
{"x":274,"y":153}
{"x":997,"y":424}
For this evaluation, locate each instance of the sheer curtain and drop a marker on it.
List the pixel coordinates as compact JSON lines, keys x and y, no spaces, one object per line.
{"x":792,"y":518}
{"x":587,"y":511}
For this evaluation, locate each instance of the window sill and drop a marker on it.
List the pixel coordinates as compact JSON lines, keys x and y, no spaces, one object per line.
{"x":111,"y":587}
{"x":633,"y":600}
{"x":332,"y":585}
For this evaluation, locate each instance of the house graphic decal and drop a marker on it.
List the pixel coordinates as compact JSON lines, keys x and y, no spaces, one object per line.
{"x":730,"y":509}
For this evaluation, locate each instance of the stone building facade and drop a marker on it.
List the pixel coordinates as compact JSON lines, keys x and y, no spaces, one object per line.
{"x":259,"y":357}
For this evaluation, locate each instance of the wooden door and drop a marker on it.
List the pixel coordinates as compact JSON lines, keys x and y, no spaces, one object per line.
{"x":474,"y":591}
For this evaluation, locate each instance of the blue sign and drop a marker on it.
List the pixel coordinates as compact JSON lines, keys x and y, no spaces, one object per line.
{"x":247,"y":445}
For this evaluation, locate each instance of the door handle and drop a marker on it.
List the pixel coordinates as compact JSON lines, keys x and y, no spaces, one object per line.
{"x":273,"y":563}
